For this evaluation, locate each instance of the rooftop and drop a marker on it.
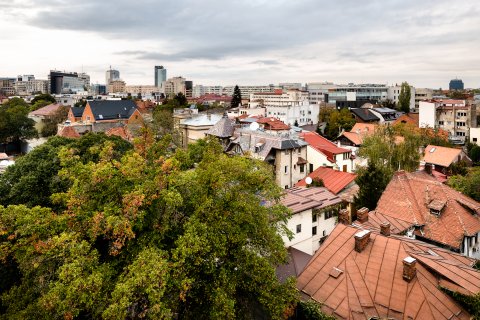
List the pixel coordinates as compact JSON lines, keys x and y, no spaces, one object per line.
{"x":47,"y":110}
{"x":301,"y":199}
{"x":334,"y":180}
{"x":441,"y":156}
{"x":370,"y":284}
{"x":323,"y":145}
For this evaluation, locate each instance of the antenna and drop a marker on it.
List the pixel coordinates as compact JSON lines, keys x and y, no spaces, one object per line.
{"x":308,"y":180}
{"x":254,"y":126}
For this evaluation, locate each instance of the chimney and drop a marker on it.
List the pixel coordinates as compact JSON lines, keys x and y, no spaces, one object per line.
{"x":385,"y":228}
{"x":344,"y":216}
{"x":362,"y":238}
{"x":362,"y":215}
{"x":409,"y":269}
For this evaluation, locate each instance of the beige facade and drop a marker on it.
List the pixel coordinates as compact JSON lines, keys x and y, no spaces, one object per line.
{"x":141,"y":89}
{"x":116,"y":86}
{"x":177,"y":85}
{"x":290,"y":166}
{"x":422,"y":94}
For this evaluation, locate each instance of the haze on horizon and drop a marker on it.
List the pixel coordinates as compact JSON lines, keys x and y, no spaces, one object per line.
{"x":247,"y":41}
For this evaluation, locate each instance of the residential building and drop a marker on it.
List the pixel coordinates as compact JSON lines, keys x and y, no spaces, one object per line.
{"x":160,"y":76}
{"x":456,"y":84}
{"x":286,"y":153}
{"x":111,"y":75}
{"x":7,"y":86}
{"x":211,"y":98}
{"x":142,"y":90}
{"x":363,"y":115}
{"x":363,"y":274}
{"x":386,"y":115}
{"x":176,"y":85}
{"x":291,"y":106}
{"x":30,"y":86}
{"x":441,"y":159}
{"x":246,"y":91}
{"x":355,"y":137}
{"x":195,"y":126}
{"x":200,"y":90}
{"x":422,"y":94}
{"x":408,"y":118}
{"x":475,"y":136}
{"x":67,"y":82}
{"x":419,"y":206}
{"x":454,"y":116}
{"x":223,"y":130}
{"x":314,"y":212}
{"x":347,"y":96}
{"x":290,"y":85}
{"x":393,"y":94}
{"x":116,"y":86}
{"x":41,"y":116}
{"x":321,"y":152}
{"x":75,"y":114}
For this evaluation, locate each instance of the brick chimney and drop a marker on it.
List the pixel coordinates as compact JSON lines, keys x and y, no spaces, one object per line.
{"x":362,"y":238}
{"x":385,"y":228}
{"x":344,"y":216}
{"x":362,"y":215}
{"x":409,"y":268}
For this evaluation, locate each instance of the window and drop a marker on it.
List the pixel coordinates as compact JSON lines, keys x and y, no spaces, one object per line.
{"x":474,"y":139}
{"x":314,"y":217}
{"x":299,"y":228}
{"x":330,"y":213}
{"x":88,"y":118}
{"x":314,"y":231}
{"x":302,"y":168}
{"x":460,"y":124}
{"x":440,"y":123}
{"x":460,"y":134}
{"x":286,"y":186}
{"x":286,"y":169}
{"x":324,"y":233}
{"x":310,"y":169}
{"x":346,"y":156}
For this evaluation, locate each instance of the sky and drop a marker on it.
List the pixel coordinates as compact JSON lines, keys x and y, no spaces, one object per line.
{"x":246,"y":42}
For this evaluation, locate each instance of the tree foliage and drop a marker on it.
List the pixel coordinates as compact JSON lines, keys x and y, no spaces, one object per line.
{"x":404,"y":97}
{"x":337,"y":120}
{"x":468,"y":184}
{"x":50,"y":127}
{"x":14,"y":122}
{"x":43,"y":97}
{"x":236,"y":97}
{"x":372,"y":181}
{"x":147,"y":236}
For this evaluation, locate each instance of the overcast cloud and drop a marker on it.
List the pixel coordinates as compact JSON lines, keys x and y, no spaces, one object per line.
{"x":246,"y":41}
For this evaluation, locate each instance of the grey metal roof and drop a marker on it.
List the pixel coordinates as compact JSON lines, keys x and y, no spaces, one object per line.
{"x":112,"y":109}
{"x":224,"y":128}
{"x":77,"y":111}
{"x":364,"y":114}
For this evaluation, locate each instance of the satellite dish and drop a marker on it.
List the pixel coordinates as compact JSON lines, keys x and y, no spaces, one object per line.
{"x":308,"y":180}
{"x":254,"y":126}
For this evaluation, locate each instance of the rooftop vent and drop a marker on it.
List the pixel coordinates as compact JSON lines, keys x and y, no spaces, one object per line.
{"x":335,"y":272}
{"x":436,"y":206}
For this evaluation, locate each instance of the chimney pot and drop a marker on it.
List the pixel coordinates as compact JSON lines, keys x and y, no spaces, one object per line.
{"x":362,"y":215}
{"x":362,"y":238}
{"x":409,"y":268}
{"x":385,"y":228}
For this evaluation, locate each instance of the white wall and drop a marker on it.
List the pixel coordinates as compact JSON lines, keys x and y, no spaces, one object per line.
{"x":426,"y":114}
{"x":475,"y":135}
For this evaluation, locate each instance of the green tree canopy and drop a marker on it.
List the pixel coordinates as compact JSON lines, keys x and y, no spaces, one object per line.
{"x":236,"y":97}
{"x":149,"y":237}
{"x":337,"y":120}
{"x":43,"y":97}
{"x":404,"y":98}
{"x":14,"y":122}
{"x":468,"y":184}
{"x":51,"y":123}
{"x":372,"y":181}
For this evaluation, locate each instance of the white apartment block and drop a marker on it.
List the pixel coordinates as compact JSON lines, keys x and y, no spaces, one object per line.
{"x":143,"y":90}
{"x":31,"y":86}
{"x":200,"y":90}
{"x":290,"y":106}
{"x":393,"y":94}
{"x":246,"y":91}
{"x":350,"y":95}
{"x":454,"y":116}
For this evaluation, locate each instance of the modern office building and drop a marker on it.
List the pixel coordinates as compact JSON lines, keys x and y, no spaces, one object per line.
{"x":111,"y":75}
{"x":160,"y":75}
{"x":99,"y":89}
{"x":7,"y":86}
{"x":456,"y":84}
{"x":67,"y":82}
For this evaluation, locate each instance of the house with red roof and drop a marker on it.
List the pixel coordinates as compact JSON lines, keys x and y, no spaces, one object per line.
{"x":363,"y":274}
{"x":321,"y":152}
{"x":314,"y":212}
{"x":419,"y":206}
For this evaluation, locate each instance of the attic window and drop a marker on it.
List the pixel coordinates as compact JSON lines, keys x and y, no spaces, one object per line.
{"x":433,"y":150}
{"x":100,"y":116}
{"x":335,"y":272}
{"x":436,"y":206}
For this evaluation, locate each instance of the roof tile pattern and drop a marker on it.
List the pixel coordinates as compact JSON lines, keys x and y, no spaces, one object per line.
{"x":224,"y":128}
{"x":112,"y":109}
{"x":301,"y":199}
{"x":441,"y":156}
{"x":334,"y":180}
{"x":47,"y":110}
{"x":407,"y":199}
{"x":69,"y":132}
{"x":371,"y":283}
{"x":323,"y":145}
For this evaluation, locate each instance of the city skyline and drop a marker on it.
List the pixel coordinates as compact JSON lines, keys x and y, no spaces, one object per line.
{"x":247,"y":42}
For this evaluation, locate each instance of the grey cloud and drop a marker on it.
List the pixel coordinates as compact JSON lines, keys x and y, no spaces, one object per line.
{"x":267,"y":62}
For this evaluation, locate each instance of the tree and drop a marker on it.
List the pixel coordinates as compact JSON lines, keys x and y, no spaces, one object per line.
{"x":43,"y":97}
{"x":468,"y":184}
{"x":34,"y":177}
{"x":338,"y":120}
{"x":474,"y":153}
{"x":51,"y":123}
{"x":80,"y":103}
{"x":372,"y":181}
{"x":236,"y":97}
{"x":181,"y":99}
{"x":148,"y":237}
{"x":404,"y":98}
{"x":14,"y":122}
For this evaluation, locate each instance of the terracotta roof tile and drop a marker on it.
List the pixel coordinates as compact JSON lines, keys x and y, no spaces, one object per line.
{"x":405,"y":201}
{"x":68,"y":132}
{"x":334,"y":180}
{"x":372,"y":284}
{"x":47,"y":110}
{"x":323,"y":145}
{"x":442,"y":156}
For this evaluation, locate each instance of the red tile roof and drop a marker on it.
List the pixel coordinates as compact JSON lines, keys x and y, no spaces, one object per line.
{"x":271,"y":123}
{"x":370,"y":283}
{"x":334,"y":180}
{"x":47,"y":110}
{"x":121,"y":132}
{"x":442,"y":156}
{"x":68,"y":132}
{"x":407,"y":199}
{"x":323,"y":145}
{"x":409,"y":118}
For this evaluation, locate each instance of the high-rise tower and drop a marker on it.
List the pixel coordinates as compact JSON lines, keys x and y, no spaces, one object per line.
{"x":160,"y":75}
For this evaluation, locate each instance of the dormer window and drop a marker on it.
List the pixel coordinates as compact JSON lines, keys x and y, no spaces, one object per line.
{"x":436,"y":206}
